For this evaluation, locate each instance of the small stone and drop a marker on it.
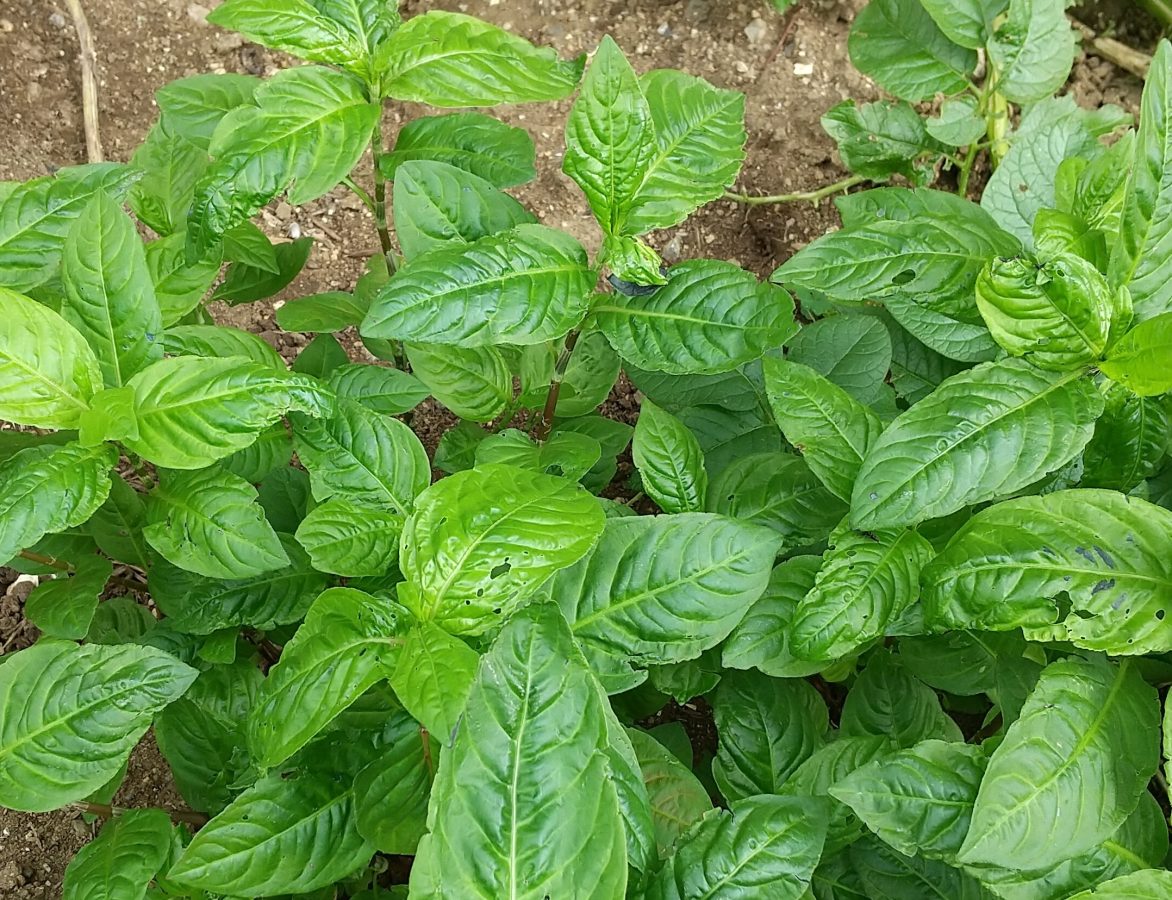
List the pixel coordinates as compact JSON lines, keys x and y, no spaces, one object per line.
{"x":756,"y":31}
{"x":664,"y":30}
{"x":283,"y":211}
{"x":227,"y":42}
{"x":741,"y":66}
{"x":801,"y":69}
{"x":6,"y":25}
{"x":57,"y":20}
{"x":294,"y":230}
{"x":198,"y":13}
{"x":673,"y":250}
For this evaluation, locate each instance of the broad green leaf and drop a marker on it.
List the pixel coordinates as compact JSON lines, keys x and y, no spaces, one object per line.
{"x":198,"y":605}
{"x":48,"y":373}
{"x":935,"y":256}
{"x":965,"y":22}
{"x":49,"y":489}
{"x":1139,"y":361}
{"x":480,"y":541}
{"x":321,"y":313}
{"x":591,"y":374}
{"x":886,"y":700}
{"x":473,"y":382}
{"x":1069,"y":770}
{"x":1057,"y":315}
{"x":1149,"y":884}
{"x":522,"y":286}
{"x":854,"y":352}
{"x":691,"y":678}
{"x":710,"y":317}
{"x":345,"y":646}
{"x":121,"y":861}
{"x":245,"y":283}
{"x":456,"y":450}
{"x":170,"y":165}
{"x":609,"y":137}
{"x":347,"y":539}
{"x":372,"y":22}
{"x":669,"y":460}
{"x":306,"y":132}
{"x":208,"y":522}
{"x":865,"y":583}
{"x":450,"y":60}
{"x":764,"y":845}
{"x":566,"y":453}
{"x":321,"y":356}
{"x":71,"y":715}
{"x":664,"y":589}
{"x":273,"y":449}
{"x":982,"y":434}
{"x":958,"y":123}
{"x":916,"y":369}
{"x":889,"y":875}
{"x":896,"y":43}
{"x":779,"y":491}
{"x":879,"y":140}
{"x":523,"y":805}
{"x":362,"y":456}
{"x":1131,"y":439}
{"x":613,"y":437}
{"x":36,"y":216}
{"x":437,"y":205}
{"x":64,"y":607}
{"x":678,"y":799}
{"x":501,"y":154}
{"x":192,"y":411}
{"x":943,"y":332}
{"x":294,"y":26}
{"x":897,"y":204}
{"x":699,"y":140}
{"x":767,"y":727}
{"x":432,"y":677}
{"x":391,"y":793}
{"x":109,"y":295}
{"x":380,"y":389}
{"x":295,"y":830}
{"x":193,"y":106}
{"x":1032,"y":51}
{"x":761,"y":639}
{"x":965,"y":662}
{"x":919,"y":800}
{"x":179,"y":288}
{"x":832,"y":430}
{"x":1104,"y":554}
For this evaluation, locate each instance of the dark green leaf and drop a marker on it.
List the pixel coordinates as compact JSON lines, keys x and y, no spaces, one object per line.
{"x":878,"y":140}
{"x":886,"y":700}
{"x":500,"y":154}
{"x":669,"y":460}
{"x":244,"y":283}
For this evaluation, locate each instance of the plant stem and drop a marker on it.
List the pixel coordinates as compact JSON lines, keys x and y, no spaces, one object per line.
{"x":425,"y":737}
{"x":358,"y":192}
{"x":380,"y":197}
{"x":555,"y":387}
{"x":812,"y":196}
{"x":966,"y":170}
{"x":185,"y":816}
{"x":61,"y":566}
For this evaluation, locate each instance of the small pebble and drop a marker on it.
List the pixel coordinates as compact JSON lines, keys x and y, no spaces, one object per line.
{"x":756,"y":31}
{"x":294,"y":230}
{"x":6,"y":25}
{"x":198,"y":13}
{"x":741,"y":66}
{"x":284,"y":211}
{"x":803,"y":68}
{"x":57,"y":20}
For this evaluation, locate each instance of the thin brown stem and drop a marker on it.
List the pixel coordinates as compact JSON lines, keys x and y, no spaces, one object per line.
{"x":555,"y":387}
{"x":105,"y":811}
{"x":62,"y":566}
{"x":798,"y":197}
{"x":89,"y":82}
{"x":380,"y":197}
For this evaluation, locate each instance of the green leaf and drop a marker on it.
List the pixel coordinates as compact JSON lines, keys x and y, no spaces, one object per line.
{"x":381,"y":390}
{"x":321,"y":356}
{"x":36,"y":216}
{"x":677,"y":798}
{"x":886,"y":700}
{"x":450,"y":60}
{"x":351,"y":540}
{"x":768,"y":727}
{"x":592,"y":373}
{"x":480,"y":541}
{"x":761,"y":640}
{"x":523,"y":805}
{"x":456,"y":450}
{"x":48,"y":373}
{"x":322,"y":313}
{"x":308,"y":129}
{"x":192,"y":107}
{"x":437,"y":205}
{"x":669,"y":460}
{"x":220,"y":341}
{"x":942,"y":332}
{"x":1069,"y":770}
{"x":391,"y":794}
{"x":71,"y":715}
{"x":854,"y":352}
{"x":1105,"y":554}
{"x":567,"y":453}
{"x":966,"y":22}
{"x":170,"y":165}
{"x":916,"y":369}
{"x":197,"y":605}
{"x":248,"y":245}
{"x":878,"y":140}
{"x":346,"y":645}
{"x":699,"y":142}
{"x":1033,"y":50}
{"x":889,"y":875}
{"x":1138,"y":260}
{"x":523,"y":286}
{"x":1138,"y":361}
{"x":779,"y":491}
{"x":865,"y":583}
{"x":109,"y":295}
{"x":294,"y":26}
{"x":432,"y":677}
{"x":765,"y":843}
{"x":179,"y":288}
{"x":473,"y":382}
{"x":272,"y":450}
{"x":501,"y":154}
{"x":121,"y":861}
{"x":832,"y":430}
{"x":64,"y":607}
{"x":982,"y":434}
{"x":192,"y":411}
{"x":1149,"y":884}
{"x":709,"y":318}
{"x":209,"y":522}
{"x":664,"y":589}
{"x":361,"y":456}
{"x":609,"y":137}
{"x":920,"y":800}
{"x":964,"y":663}
{"x":293,"y":831}
{"x":1131,"y":438}
{"x":49,"y":489}
{"x":958,"y":123}
{"x":896,"y":43}
{"x":1057,"y":315}
{"x":245,"y":283}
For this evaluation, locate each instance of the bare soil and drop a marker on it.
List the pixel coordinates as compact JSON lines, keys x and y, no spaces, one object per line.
{"x":791,"y":70}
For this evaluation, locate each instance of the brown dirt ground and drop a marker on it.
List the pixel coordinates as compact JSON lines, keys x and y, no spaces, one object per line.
{"x":142,"y":44}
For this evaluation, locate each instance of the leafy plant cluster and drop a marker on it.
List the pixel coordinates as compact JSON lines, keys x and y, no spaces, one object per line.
{"x":914,"y":552}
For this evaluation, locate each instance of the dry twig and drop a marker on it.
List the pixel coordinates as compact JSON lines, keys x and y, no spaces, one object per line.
{"x":89,"y":82}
